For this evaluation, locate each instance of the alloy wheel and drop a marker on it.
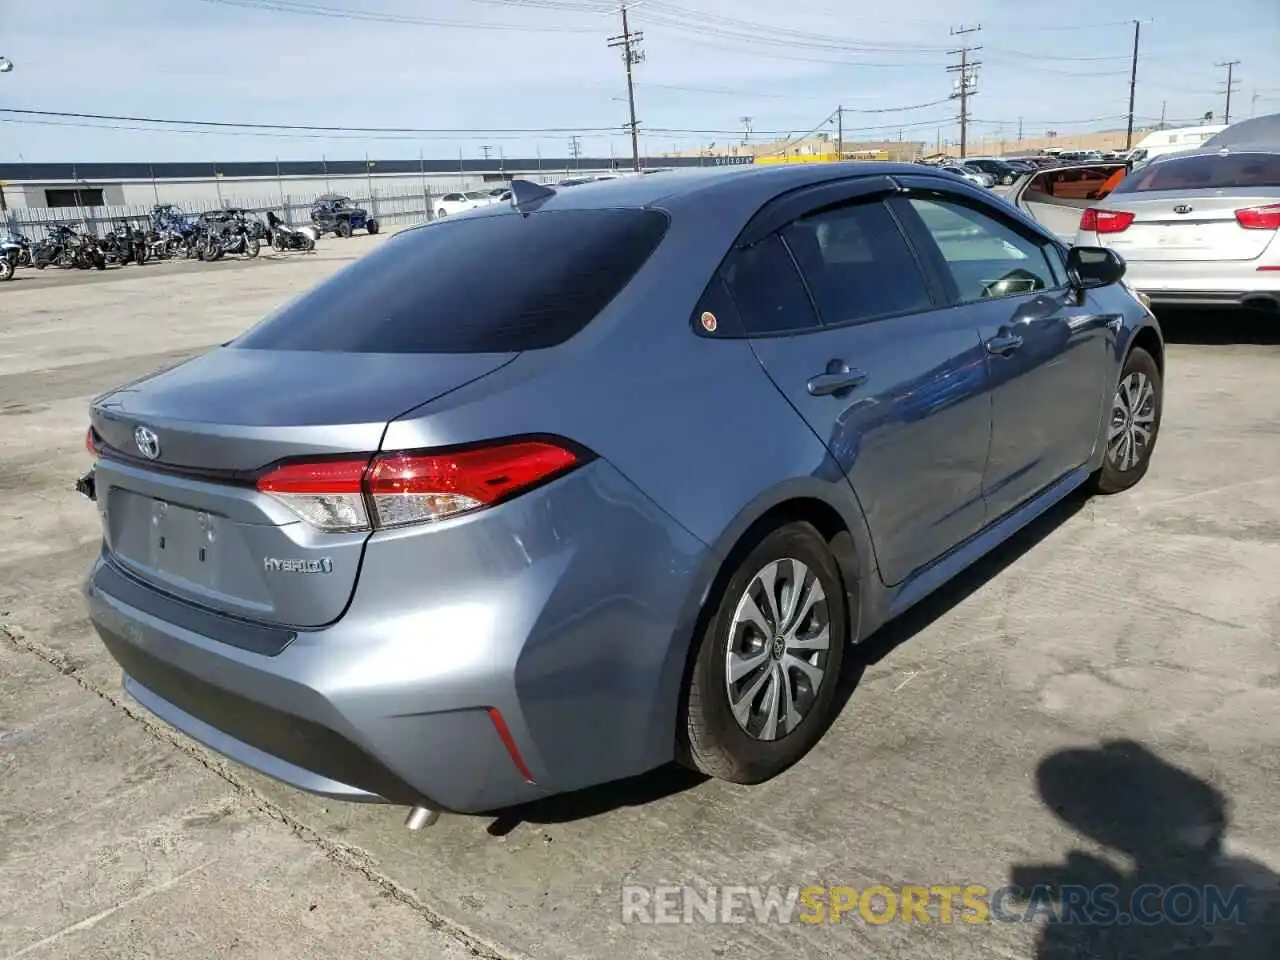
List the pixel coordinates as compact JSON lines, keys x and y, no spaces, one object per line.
{"x":776,"y":657}
{"x":1133,"y":412}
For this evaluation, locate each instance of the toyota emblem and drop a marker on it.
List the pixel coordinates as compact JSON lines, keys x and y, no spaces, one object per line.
{"x":1182,"y":208}
{"x":147,"y":442}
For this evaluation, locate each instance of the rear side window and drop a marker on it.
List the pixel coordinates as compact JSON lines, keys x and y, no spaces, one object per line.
{"x":473,"y":285}
{"x":857,"y":264}
{"x":1205,"y":172}
{"x":767,"y":289}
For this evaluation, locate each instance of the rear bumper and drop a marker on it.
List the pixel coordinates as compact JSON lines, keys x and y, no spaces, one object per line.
{"x":1195,"y":283}
{"x":564,"y":610}
{"x":1220,"y":299}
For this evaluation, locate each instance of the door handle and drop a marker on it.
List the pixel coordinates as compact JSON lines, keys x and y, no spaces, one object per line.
{"x":1004,"y":344}
{"x":838,"y":379}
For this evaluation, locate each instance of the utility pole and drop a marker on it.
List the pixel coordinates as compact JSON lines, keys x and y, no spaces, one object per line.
{"x":629,"y":41}
{"x":967,"y":79}
{"x":1019,"y":132}
{"x":1164,"y":105}
{"x":746,"y":130}
{"x":485,"y":149}
{"x":839,"y":133}
{"x":1231,"y":66}
{"x":575,"y":150}
{"x":1133,"y":83}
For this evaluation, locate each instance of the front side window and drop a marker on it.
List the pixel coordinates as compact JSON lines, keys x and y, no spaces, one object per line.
{"x":857,"y":264}
{"x":986,"y":259}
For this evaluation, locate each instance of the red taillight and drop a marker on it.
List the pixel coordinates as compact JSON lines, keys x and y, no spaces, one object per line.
{"x":413,"y":487}
{"x":1105,"y":221}
{"x":325,"y":493}
{"x":1260,"y":218}
{"x":89,"y":444}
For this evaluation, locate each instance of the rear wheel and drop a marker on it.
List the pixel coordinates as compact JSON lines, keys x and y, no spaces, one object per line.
{"x":764,"y":675}
{"x":343,"y":229}
{"x":372,"y":227}
{"x":6,"y":269}
{"x":309,"y":245}
{"x":1134,"y":424}
{"x":252,"y":247}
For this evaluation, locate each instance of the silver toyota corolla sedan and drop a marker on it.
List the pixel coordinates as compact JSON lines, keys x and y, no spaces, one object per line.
{"x":1199,"y":228}
{"x":553,"y":492}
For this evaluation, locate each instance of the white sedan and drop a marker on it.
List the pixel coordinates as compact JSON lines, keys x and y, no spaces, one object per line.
{"x":452,"y":203}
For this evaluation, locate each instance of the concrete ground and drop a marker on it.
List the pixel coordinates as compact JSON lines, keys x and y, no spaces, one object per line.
{"x":970,"y":750}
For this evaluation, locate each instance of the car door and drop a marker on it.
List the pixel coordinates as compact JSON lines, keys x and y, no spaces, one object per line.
{"x":1046,"y":345}
{"x":845,"y":322}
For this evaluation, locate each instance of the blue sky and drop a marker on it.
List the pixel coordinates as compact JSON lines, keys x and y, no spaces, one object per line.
{"x":497,"y":67}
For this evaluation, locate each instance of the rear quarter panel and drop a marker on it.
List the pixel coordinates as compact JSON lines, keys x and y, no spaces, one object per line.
{"x":694,"y":423}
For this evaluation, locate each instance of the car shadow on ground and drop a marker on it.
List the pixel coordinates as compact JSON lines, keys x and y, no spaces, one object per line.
{"x":1218,"y":327}
{"x":1177,"y":893}
{"x":672,"y":779}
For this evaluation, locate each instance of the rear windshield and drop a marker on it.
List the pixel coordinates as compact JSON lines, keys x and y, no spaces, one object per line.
{"x":1205,"y":172}
{"x":472,"y":285}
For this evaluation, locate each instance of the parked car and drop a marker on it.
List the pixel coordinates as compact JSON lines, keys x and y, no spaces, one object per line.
{"x":1001,"y":172}
{"x":340,"y":216}
{"x":453,"y":203}
{"x":1059,"y":196}
{"x":976,"y":177}
{"x":450,"y":552}
{"x":1196,"y":228}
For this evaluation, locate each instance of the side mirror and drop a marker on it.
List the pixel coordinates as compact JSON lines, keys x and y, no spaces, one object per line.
{"x":1090,"y":267}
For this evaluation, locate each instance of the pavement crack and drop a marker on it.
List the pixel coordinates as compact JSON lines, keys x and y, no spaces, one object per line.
{"x":343,"y":855}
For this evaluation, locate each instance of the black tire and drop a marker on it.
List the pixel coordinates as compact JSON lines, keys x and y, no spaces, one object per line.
{"x":6,"y":269}
{"x":343,"y":229}
{"x":252,"y":247}
{"x":278,"y":241}
{"x":309,"y":245}
{"x":371,"y":226}
{"x":711,"y":739}
{"x":1117,"y":472}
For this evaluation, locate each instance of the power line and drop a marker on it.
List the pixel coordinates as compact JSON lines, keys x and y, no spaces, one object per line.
{"x":1231,"y":66}
{"x":628,"y":42}
{"x":369,"y":16}
{"x":967,"y":79}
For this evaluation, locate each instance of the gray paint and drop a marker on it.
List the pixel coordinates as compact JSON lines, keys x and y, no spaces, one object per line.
{"x":572,"y":608}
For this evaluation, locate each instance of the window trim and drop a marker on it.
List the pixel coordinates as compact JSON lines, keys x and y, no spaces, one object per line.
{"x":915,"y":224}
{"x":853,"y":191}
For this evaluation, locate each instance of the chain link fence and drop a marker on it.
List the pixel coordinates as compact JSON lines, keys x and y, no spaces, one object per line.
{"x":390,"y":209}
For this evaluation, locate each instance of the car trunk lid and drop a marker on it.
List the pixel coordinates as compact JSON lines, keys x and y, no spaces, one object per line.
{"x":182,"y":448}
{"x":1180,"y":225}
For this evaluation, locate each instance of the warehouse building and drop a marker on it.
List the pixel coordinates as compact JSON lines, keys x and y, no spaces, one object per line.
{"x":88,"y":186}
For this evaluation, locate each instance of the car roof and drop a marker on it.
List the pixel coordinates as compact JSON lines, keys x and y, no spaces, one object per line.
{"x":748,"y":182}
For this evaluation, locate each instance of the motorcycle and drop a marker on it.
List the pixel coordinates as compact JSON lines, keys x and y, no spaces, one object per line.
{"x":227,"y":232}
{"x":69,"y":248}
{"x":124,"y":245}
{"x":10,"y":250}
{"x":285,"y":236}
{"x":23,"y":244}
{"x":172,"y":233}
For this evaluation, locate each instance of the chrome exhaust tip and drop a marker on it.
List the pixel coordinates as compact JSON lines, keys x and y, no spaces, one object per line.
{"x":420,"y":817}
